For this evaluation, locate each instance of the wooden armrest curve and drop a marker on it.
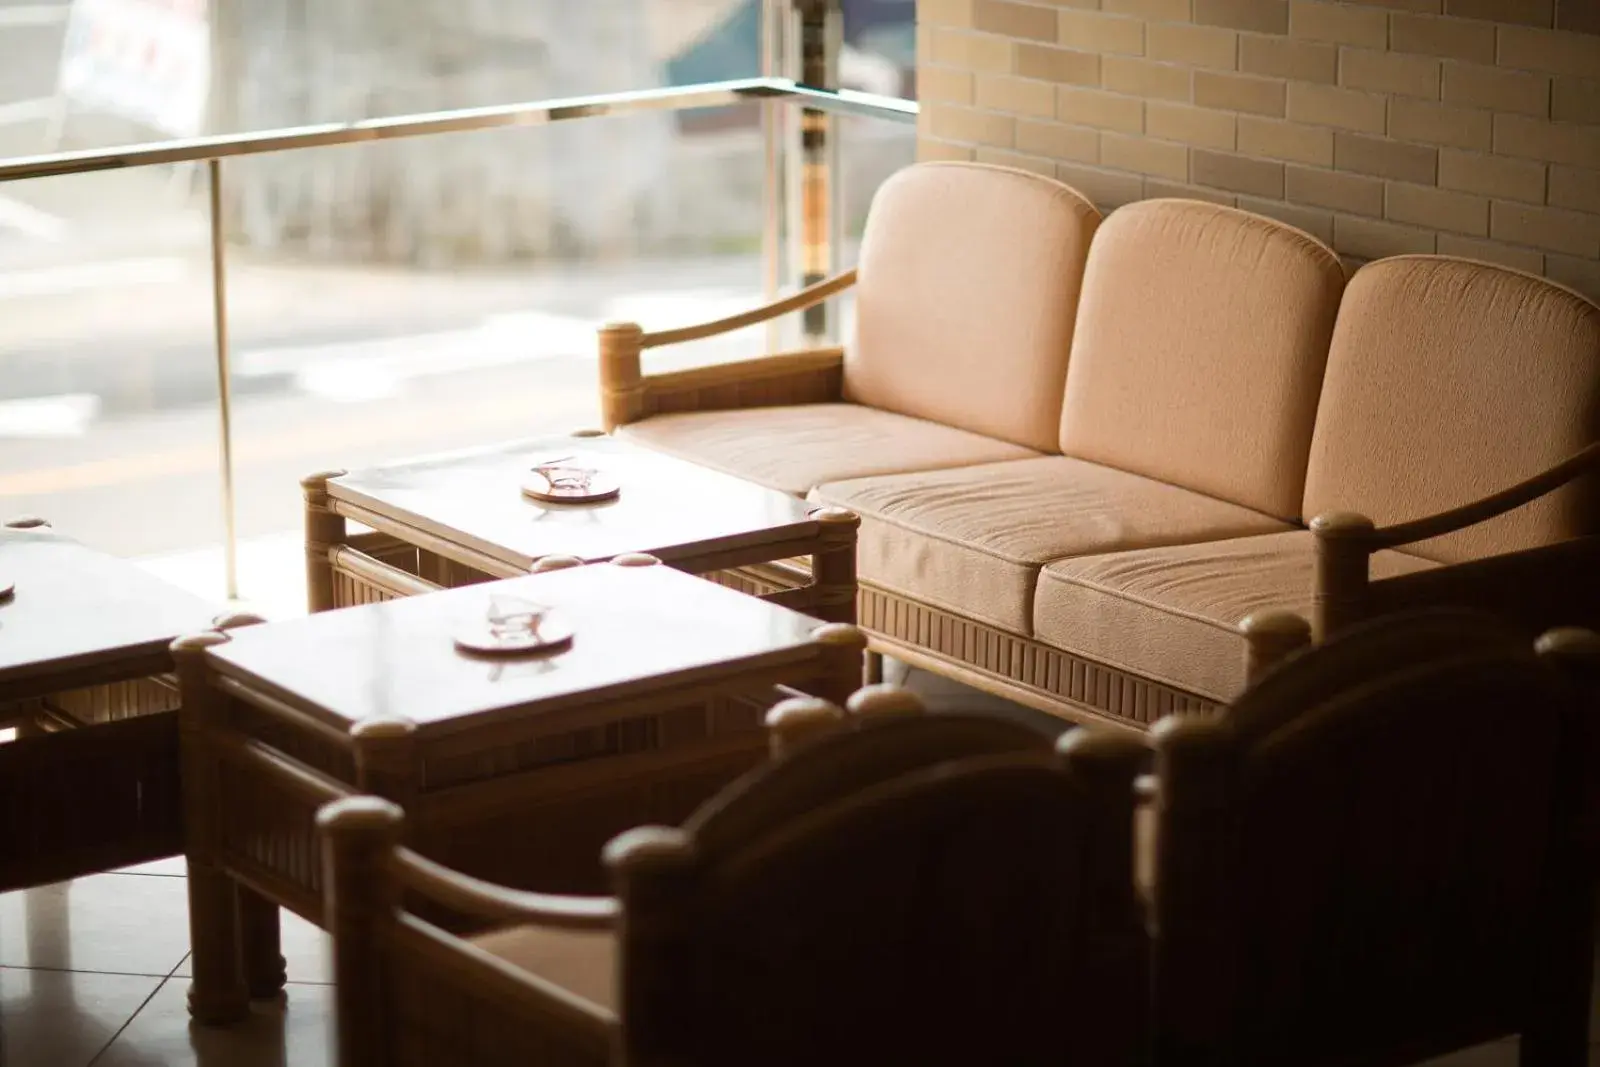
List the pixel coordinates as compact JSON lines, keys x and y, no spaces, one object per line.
{"x":812,"y":294}
{"x":481,"y":899}
{"x":1579,"y":463}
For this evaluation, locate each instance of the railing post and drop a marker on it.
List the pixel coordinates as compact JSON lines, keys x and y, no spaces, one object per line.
{"x":1339,"y":592}
{"x":219,"y":322}
{"x":813,"y":192}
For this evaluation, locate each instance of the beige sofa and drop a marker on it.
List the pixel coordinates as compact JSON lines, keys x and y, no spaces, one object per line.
{"x":1086,"y":450}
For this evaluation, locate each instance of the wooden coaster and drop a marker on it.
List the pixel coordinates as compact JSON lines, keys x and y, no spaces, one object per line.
{"x":482,"y":638}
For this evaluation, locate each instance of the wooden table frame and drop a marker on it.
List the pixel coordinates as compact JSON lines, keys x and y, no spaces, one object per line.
{"x":400,"y":558}
{"x":90,"y":782}
{"x":257,"y":765}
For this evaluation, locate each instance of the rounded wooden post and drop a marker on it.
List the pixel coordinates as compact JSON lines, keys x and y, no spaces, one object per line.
{"x":797,"y":721}
{"x":622,"y":396}
{"x":833,"y":565}
{"x":1270,"y":637}
{"x":1339,"y":589}
{"x":881,"y":701}
{"x":217,"y":991}
{"x":842,"y":649}
{"x":554,"y":563}
{"x":652,"y":877}
{"x":27,"y":522}
{"x":386,"y":758}
{"x":635,"y":559}
{"x":359,"y":835}
{"x":324,"y":530}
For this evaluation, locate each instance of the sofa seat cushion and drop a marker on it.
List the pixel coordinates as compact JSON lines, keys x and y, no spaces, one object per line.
{"x":1172,"y":614}
{"x":582,"y":962}
{"x":794,"y":449}
{"x":972,"y":540}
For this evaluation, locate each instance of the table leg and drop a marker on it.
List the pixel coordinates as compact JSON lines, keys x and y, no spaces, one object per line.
{"x":324,"y":530}
{"x":261,"y":945}
{"x":842,"y":647}
{"x":874,"y":671}
{"x":217,"y":993}
{"x":833,"y":565}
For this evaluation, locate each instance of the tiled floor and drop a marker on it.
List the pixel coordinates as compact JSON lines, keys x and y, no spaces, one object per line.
{"x":95,"y":971}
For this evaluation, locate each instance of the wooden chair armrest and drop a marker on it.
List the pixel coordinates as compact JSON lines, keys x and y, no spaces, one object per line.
{"x":812,"y":294}
{"x":485,"y":900}
{"x":1489,"y":507}
{"x":1536,"y":588}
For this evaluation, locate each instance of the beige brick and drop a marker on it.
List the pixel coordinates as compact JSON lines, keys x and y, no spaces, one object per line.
{"x":1093,"y":31}
{"x":975,"y":52}
{"x":1549,"y":228}
{"x":964,"y":124}
{"x":1437,"y":209}
{"x":1314,"y":20}
{"x":1430,"y":123}
{"x":1183,"y":191}
{"x":931,"y":151}
{"x":1258,"y":16}
{"x":1196,"y":46}
{"x":1017,"y":96}
{"x":1580,"y":274}
{"x":1497,"y":176}
{"x":1451,"y":244}
{"x":943,"y":85}
{"x":1141,"y":77}
{"x":1580,"y":16}
{"x":1452,"y":38}
{"x":1386,"y":72}
{"x":1282,"y":57}
{"x":1106,"y":189}
{"x":1318,"y":224}
{"x":1164,"y":10}
{"x":1239,"y":92}
{"x":1576,"y":99}
{"x":1191,"y":125}
{"x":1370,"y":239}
{"x":1288,"y":141}
{"x":1498,"y":90}
{"x":1057,"y":65}
{"x":945,"y":12}
{"x":1344,"y":108}
{"x":1527,"y":12}
{"x":1014,"y":20}
{"x":999,"y":157}
{"x":1575,"y":188}
{"x":1341,"y":192}
{"x":1238,"y":173}
{"x":1551,"y":142}
{"x":1385,"y":159}
{"x":1058,"y":141}
{"x":1424,"y":7}
{"x":1144,"y":155}
{"x":1107,"y":111}
{"x":1550,"y":51}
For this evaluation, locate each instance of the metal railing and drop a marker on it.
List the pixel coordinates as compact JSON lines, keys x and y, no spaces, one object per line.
{"x":212,"y":150}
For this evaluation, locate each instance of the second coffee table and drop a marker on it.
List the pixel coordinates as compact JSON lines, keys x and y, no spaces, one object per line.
{"x":462,"y":518}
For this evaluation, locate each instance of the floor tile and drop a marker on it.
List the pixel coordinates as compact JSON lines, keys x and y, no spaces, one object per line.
{"x":122,"y":923}
{"x":1495,"y":1054}
{"x":171,"y":867}
{"x":295,"y":1033}
{"x":307,"y":951}
{"x":942,"y":694}
{"x":61,"y":1019}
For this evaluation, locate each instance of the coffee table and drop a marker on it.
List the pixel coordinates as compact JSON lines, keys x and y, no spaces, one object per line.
{"x":513,"y":769}
{"x":89,"y":780}
{"x":452,"y":520}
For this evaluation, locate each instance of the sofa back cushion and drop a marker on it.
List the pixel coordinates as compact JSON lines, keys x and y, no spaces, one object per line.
{"x":1202,"y":333}
{"x":967,"y":293}
{"x":1448,"y":381}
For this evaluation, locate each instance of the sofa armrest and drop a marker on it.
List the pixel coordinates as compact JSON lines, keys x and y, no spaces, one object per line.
{"x":627,"y":394}
{"x":1536,"y":588}
{"x":483,"y":900}
{"x":1346,"y":542}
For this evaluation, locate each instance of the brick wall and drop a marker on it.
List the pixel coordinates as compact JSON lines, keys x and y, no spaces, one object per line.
{"x":1467,"y":127}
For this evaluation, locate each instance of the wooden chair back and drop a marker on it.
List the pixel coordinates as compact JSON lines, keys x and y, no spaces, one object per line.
{"x":974,"y":911}
{"x":1376,"y":854}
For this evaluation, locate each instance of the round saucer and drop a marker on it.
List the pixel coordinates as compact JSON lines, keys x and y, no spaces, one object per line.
{"x":554,"y":633}
{"x":602,"y":486}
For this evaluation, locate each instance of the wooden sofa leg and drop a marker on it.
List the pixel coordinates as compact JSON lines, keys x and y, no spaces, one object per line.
{"x":265,"y":970}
